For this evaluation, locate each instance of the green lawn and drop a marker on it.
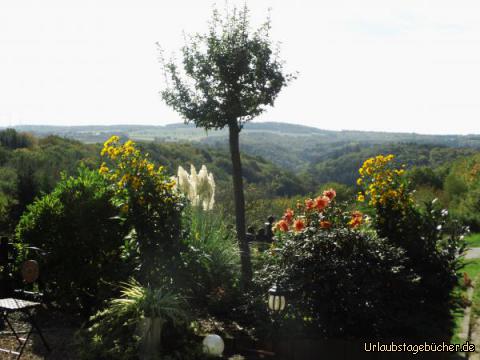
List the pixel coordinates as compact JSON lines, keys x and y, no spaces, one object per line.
{"x":473,"y":240}
{"x":472,"y":268}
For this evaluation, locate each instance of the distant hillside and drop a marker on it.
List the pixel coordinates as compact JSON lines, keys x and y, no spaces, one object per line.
{"x":341,"y":165}
{"x":30,"y":166}
{"x":318,"y":154}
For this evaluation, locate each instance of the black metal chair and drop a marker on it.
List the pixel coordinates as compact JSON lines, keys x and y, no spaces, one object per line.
{"x":24,"y":302}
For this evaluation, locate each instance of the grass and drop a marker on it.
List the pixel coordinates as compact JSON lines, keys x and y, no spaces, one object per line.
{"x":472,"y":268}
{"x":473,"y":240}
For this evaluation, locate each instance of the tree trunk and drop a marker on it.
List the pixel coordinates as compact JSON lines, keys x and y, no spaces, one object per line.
{"x":234,"y":133}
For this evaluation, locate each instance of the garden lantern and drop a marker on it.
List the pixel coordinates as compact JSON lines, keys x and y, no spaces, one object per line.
{"x":276,"y":299}
{"x":213,"y":345}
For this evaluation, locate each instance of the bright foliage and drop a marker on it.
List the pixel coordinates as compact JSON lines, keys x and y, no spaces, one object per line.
{"x":148,"y":201}
{"x":383,"y":183}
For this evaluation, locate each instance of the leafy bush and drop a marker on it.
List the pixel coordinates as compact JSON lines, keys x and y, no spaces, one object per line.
{"x":144,"y":323}
{"x":462,"y":187}
{"x":76,"y":225}
{"x":341,"y":282}
{"x":391,"y":276}
{"x":150,"y":206}
{"x":432,"y":243}
{"x":212,"y":262}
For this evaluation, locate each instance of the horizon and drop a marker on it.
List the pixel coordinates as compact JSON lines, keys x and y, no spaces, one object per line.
{"x":249,"y":123}
{"x":383,"y":66}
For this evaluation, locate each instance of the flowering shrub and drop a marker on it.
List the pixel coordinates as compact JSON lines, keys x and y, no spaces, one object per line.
{"x":431,"y":240}
{"x":342,"y":280}
{"x":199,"y":188}
{"x":147,"y":200}
{"x":318,"y":213}
{"x":383,"y":183}
{"x":391,"y":278}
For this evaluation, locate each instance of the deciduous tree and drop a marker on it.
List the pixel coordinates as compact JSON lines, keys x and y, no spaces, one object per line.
{"x":228,"y":76}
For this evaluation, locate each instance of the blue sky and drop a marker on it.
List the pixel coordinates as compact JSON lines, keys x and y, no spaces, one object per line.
{"x":407,"y":65}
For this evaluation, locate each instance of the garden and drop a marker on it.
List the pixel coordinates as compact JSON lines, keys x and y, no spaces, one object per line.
{"x":124,"y":258}
{"x":145,"y":266}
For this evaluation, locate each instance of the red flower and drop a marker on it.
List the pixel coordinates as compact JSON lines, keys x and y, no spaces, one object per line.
{"x":299,"y":225}
{"x":309,"y":204}
{"x":325,"y":224}
{"x":288,"y":216}
{"x":357,"y":219}
{"x":321,"y":202}
{"x":330,"y":193}
{"x":282,"y":225}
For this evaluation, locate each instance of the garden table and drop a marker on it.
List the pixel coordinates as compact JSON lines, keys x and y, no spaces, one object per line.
{"x":12,"y":305}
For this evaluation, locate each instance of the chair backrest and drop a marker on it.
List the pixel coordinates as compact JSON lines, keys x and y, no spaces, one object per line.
{"x":30,"y":271}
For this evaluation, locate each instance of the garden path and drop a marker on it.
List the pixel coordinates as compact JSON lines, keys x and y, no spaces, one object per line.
{"x":473,"y":253}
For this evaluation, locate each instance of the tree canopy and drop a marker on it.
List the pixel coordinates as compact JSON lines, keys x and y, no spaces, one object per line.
{"x":232,"y":73}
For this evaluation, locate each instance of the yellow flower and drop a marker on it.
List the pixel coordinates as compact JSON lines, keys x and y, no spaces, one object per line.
{"x":136,"y":182}
{"x":361,"y":197}
{"x":103,"y":169}
{"x":113,"y":139}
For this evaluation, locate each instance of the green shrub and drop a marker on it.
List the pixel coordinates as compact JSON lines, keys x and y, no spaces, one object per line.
{"x":150,"y":205}
{"x":76,"y":224}
{"x":342,"y":284}
{"x":431,"y":241}
{"x":391,"y":277}
{"x":341,"y":281}
{"x":212,"y":262}
{"x":462,"y":188}
{"x":124,"y":329}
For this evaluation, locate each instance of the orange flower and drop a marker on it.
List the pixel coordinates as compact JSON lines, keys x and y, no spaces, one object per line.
{"x":357,"y":214}
{"x":309,"y":204}
{"x":299,"y":225}
{"x":357,"y":219}
{"x":282,"y":225}
{"x":321,"y":202}
{"x":330,"y":193}
{"x":288,"y":216}
{"x":325,"y":224}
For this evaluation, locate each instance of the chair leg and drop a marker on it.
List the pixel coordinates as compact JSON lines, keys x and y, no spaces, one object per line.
{"x":24,"y":344}
{"x":5,"y":317}
{"x":38,"y":330}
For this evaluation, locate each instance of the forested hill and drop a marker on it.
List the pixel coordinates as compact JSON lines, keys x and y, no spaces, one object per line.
{"x":318,"y":155}
{"x":310,"y":136}
{"x":30,"y":166}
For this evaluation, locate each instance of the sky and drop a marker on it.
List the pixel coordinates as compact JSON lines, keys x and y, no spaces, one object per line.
{"x":383,"y":65}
